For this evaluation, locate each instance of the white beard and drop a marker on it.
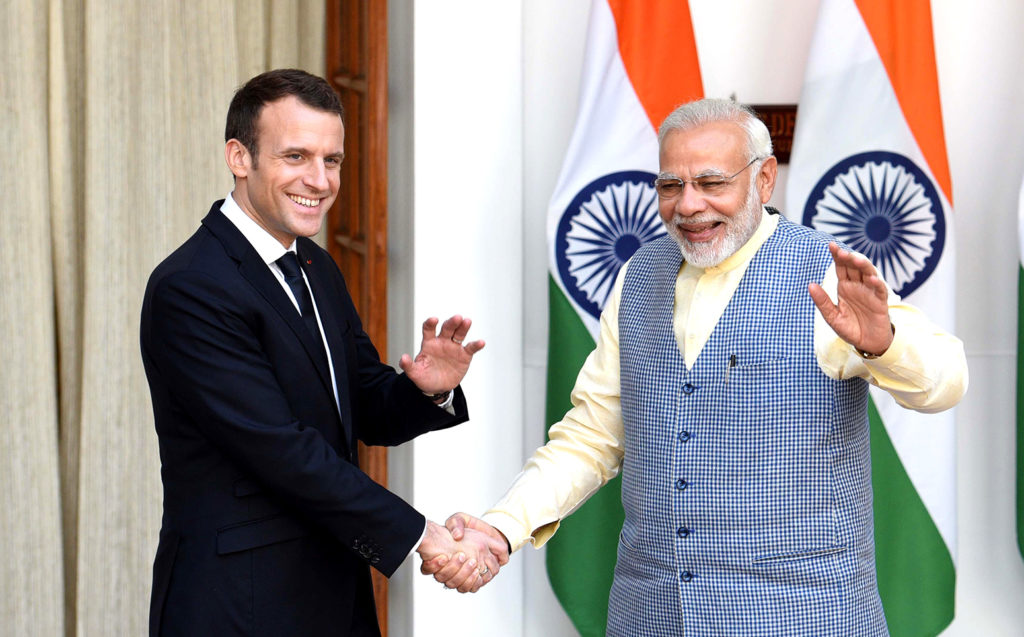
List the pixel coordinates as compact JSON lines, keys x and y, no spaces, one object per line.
{"x":738,"y":230}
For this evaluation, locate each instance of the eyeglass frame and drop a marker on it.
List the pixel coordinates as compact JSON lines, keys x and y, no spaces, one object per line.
{"x":712,"y":181}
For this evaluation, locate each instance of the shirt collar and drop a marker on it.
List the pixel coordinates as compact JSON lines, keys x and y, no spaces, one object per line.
{"x":746,"y":252}
{"x":269,"y":248}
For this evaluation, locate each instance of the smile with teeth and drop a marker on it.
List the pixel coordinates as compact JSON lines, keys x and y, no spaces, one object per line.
{"x":698,"y":227}
{"x":303,"y":201}
{"x":699,"y":232}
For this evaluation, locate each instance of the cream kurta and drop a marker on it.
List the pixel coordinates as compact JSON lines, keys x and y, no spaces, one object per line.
{"x":924,"y":369}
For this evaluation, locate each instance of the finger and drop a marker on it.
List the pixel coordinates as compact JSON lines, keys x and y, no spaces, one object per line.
{"x":430,"y":328}
{"x":461,"y":329}
{"x":456,"y":525}
{"x":405,"y":363}
{"x":452,"y":570}
{"x":449,"y":327}
{"x":472,"y":583}
{"x":474,"y":347}
{"x":824,"y":304}
{"x":432,"y":566}
{"x":878,"y":288}
{"x":844,"y":261}
{"x":491,"y":562}
{"x":466,"y":577}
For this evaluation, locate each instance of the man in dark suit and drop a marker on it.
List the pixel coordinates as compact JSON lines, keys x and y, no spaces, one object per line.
{"x":262,"y":381}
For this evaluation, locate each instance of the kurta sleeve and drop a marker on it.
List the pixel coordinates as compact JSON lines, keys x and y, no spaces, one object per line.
{"x":584,"y":451}
{"x":924,"y":369}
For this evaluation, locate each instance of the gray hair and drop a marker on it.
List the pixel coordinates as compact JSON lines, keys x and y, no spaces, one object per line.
{"x":709,"y":110}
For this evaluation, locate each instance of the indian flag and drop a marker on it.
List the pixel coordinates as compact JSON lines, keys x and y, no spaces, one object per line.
{"x":869,"y":166}
{"x":640,"y":63}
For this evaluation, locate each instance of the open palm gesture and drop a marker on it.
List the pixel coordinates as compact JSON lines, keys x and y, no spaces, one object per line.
{"x":861,"y":314}
{"x":444,"y":357}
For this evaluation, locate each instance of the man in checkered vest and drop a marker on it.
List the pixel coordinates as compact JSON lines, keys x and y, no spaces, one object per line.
{"x":731,"y":392}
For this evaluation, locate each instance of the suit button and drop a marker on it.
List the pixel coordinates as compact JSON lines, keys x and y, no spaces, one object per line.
{"x":688,"y":388}
{"x":683,"y":532}
{"x":684,"y":436}
{"x":365,"y":551}
{"x":375,"y":559}
{"x":681,"y":484}
{"x":686,"y":576}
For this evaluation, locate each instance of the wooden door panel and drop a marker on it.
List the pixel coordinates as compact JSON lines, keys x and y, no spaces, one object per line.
{"x":357,"y":223}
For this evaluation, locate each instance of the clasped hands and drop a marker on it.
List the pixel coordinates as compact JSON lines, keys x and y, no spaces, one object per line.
{"x":465,"y":554}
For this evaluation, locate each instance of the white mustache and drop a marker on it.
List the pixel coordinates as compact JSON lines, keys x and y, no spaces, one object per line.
{"x":700,"y":219}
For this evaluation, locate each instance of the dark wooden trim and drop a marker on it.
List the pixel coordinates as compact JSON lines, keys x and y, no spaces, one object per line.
{"x":356,"y":65}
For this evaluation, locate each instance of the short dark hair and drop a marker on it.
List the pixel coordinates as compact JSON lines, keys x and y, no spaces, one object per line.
{"x":248,"y":102}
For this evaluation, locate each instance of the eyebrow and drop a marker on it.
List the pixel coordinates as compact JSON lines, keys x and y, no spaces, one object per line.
{"x":710,"y":172}
{"x":340,"y":154}
{"x":707,"y":172}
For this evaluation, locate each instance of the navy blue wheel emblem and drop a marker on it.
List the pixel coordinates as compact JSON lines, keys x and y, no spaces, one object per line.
{"x":883,"y":206}
{"x":604,"y":225}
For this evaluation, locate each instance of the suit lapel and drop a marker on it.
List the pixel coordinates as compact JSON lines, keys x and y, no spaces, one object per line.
{"x":255,"y":271}
{"x":333,"y":321}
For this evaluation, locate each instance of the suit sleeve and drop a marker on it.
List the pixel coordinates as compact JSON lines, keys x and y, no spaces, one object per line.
{"x":211,"y":358}
{"x":388,"y":408}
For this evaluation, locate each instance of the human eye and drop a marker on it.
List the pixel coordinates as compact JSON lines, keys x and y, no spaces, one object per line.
{"x":333,"y":162}
{"x":668,"y":188}
{"x":711,"y":185}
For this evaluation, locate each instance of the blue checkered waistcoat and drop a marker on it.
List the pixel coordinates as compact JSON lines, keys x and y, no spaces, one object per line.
{"x":746,"y":481}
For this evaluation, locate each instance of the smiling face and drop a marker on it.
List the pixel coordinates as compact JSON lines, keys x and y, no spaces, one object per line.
{"x":296,"y":178}
{"x":710,"y":226}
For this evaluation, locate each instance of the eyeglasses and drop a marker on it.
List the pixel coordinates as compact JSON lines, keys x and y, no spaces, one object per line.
{"x":709,"y":185}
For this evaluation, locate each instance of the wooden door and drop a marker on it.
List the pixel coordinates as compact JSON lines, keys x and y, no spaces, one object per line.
{"x":357,"y":223}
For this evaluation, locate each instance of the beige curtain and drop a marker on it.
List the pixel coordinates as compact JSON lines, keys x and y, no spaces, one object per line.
{"x":112,"y":123}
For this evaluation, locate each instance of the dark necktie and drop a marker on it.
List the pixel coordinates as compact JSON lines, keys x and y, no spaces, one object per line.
{"x":289,"y":264}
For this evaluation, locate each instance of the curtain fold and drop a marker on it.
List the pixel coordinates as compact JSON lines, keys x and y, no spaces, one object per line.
{"x":113,"y":118}
{"x":31,"y":581}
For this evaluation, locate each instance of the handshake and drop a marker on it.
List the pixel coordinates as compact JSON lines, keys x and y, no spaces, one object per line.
{"x":465,"y":554}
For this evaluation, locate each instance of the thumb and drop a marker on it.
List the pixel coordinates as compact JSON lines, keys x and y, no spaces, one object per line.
{"x":429,"y":567}
{"x":456,"y":525}
{"x":405,"y":363}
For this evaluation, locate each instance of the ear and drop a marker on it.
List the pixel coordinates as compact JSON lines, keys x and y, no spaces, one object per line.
{"x":766,"y":178}
{"x":238,"y":158}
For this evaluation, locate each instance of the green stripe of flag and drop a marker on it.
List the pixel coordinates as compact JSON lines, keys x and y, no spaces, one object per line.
{"x":590,"y":535}
{"x":908,"y":547}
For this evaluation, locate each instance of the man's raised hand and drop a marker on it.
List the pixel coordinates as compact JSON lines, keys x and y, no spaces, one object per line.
{"x":444,"y":357}
{"x":860,"y":315}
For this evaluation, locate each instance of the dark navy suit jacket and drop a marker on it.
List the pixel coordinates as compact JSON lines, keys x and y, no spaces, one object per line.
{"x":269,"y":526}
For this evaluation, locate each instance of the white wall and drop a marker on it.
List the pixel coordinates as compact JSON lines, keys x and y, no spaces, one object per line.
{"x":482,"y":111}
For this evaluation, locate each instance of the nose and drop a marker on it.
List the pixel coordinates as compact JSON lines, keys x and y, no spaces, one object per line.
{"x":689,"y":202}
{"x":316,"y":177}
